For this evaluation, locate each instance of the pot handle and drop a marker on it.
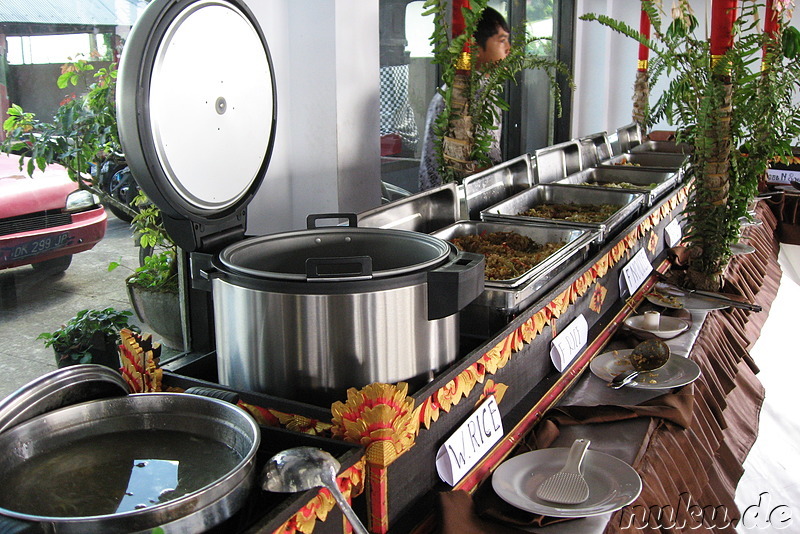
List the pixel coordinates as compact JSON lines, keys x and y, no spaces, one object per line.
{"x":349,"y":267}
{"x":311,"y":220}
{"x":454,"y":285}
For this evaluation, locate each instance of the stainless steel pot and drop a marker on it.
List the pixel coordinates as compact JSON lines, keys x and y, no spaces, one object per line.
{"x":166,"y":419}
{"x":307,"y":314}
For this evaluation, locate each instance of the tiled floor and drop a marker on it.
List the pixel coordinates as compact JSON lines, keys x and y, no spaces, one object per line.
{"x":771,"y":471}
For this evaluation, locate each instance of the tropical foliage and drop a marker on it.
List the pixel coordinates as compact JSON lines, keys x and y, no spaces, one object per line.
{"x":83,"y":134}
{"x":735,"y":110}
{"x":474,"y":97}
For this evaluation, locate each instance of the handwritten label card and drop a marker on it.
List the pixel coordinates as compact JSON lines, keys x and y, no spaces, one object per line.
{"x":635,"y":273}
{"x":462,"y":451}
{"x":569,"y":342}
{"x":673,"y":233}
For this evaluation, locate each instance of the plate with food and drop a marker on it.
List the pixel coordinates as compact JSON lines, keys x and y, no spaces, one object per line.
{"x":678,"y":371}
{"x":674,"y":298}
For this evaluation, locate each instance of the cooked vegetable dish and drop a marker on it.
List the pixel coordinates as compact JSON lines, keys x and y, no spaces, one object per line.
{"x":585,"y":213}
{"x":508,"y":254}
{"x":620,"y":185}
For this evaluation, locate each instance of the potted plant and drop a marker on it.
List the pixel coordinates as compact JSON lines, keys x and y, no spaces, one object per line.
{"x":472,"y":96}
{"x":92,"y":336}
{"x":153,"y":288}
{"x":735,"y":118}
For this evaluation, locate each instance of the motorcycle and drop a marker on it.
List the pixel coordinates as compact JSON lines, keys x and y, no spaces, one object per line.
{"x":116,"y":180}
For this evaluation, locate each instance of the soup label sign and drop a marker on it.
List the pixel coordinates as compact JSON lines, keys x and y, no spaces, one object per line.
{"x":470,"y":442}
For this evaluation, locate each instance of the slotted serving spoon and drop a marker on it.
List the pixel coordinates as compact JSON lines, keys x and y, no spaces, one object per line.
{"x":646,"y":356}
{"x":302,"y":468}
{"x":568,"y":485}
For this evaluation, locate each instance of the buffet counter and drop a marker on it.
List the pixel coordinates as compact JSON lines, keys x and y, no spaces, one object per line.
{"x":687,"y":444}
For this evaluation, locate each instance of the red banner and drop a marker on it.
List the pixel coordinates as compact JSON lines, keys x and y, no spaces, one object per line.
{"x":723,"y":15}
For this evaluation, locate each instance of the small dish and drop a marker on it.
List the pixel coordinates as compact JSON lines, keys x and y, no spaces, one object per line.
{"x":668,"y":327}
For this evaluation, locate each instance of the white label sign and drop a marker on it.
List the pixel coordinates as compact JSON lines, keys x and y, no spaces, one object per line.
{"x":635,"y":272}
{"x":673,"y":233}
{"x":782,"y":175}
{"x":470,"y":442}
{"x":568,"y":344}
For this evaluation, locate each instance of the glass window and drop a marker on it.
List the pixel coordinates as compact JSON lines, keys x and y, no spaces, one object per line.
{"x":409,"y":79}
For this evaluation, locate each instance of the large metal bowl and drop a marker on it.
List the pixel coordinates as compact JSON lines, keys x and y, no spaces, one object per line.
{"x":180,"y":416}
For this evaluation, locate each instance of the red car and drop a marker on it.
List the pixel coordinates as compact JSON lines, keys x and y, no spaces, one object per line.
{"x":45,"y":219}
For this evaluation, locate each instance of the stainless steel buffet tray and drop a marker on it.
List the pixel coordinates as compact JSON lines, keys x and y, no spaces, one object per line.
{"x":652,"y":184}
{"x":667,"y":147}
{"x":510,"y":296}
{"x":509,"y":210}
{"x":423,"y":212}
{"x":647,"y":160}
{"x":557,"y":161}
{"x":489,"y":187}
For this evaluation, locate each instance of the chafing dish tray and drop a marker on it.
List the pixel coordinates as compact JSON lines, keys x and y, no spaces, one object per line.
{"x":652,"y":184}
{"x":423,"y":212}
{"x":504,"y":298}
{"x":557,"y":161}
{"x":509,"y":210}
{"x":667,"y":147}
{"x":489,"y":187}
{"x":647,"y":160}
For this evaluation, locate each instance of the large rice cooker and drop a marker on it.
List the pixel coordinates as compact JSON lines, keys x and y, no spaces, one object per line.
{"x":303,"y":314}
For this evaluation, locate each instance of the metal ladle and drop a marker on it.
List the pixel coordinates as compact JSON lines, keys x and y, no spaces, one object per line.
{"x":303,"y":468}
{"x":646,"y":356}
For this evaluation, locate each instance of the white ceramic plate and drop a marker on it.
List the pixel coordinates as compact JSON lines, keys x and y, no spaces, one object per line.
{"x":670,"y":297}
{"x":612,"y":483}
{"x":678,"y":371}
{"x":738,"y":249}
{"x":668,"y":327}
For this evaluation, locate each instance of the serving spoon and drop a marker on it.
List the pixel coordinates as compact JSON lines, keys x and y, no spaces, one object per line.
{"x":646,"y":356}
{"x":303,"y":468}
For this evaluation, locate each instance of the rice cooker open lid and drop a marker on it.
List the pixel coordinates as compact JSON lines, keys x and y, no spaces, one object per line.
{"x":196,"y":115}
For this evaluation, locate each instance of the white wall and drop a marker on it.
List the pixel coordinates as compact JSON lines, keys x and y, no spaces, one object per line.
{"x":326,"y":156}
{"x":605,"y":66}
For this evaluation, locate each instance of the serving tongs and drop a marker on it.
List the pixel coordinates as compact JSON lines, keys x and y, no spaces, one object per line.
{"x":734,"y":301}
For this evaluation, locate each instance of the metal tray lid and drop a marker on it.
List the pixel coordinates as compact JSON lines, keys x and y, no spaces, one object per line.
{"x":422,"y":212}
{"x":59,"y":388}
{"x":197,"y":129}
{"x":489,"y":187}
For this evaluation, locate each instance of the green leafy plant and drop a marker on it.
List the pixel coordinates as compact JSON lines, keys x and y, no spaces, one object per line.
{"x":83,"y":131}
{"x":87,"y":334}
{"x":158,"y":270}
{"x":474,"y":100}
{"x":735,"y":115}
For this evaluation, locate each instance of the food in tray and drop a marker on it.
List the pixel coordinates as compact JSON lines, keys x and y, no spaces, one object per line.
{"x":508,"y":254}
{"x":620,"y":185}
{"x":584,"y":213}
{"x":626,"y":161}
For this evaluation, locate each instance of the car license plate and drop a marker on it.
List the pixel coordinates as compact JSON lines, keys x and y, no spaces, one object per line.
{"x":36,"y":247}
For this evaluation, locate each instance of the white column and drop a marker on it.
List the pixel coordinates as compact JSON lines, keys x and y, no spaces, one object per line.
{"x":327,"y":148}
